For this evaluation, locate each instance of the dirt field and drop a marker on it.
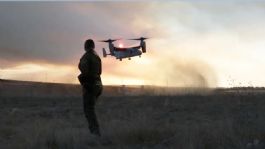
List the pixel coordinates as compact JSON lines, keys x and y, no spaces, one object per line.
{"x":222,"y":119}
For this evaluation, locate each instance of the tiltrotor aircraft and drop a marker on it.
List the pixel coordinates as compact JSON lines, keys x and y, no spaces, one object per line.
{"x":125,"y":52}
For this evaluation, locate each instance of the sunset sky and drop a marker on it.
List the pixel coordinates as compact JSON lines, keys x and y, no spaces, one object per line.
{"x":193,"y":43}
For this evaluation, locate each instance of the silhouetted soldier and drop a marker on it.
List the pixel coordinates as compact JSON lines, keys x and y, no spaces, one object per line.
{"x":90,"y":67}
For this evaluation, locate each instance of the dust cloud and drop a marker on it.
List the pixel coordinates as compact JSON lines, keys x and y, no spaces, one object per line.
{"x":177,"y":72}
{"x":183,"y":73}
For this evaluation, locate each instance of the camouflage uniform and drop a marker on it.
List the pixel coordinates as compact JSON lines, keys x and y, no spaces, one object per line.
{"x":90,"y":67}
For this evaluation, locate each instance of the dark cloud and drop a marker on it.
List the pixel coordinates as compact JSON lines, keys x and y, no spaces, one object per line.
{"x":36,"y":31}
{"x":54,"y":32}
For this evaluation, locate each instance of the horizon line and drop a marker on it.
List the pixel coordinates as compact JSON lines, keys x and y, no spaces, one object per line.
{"x":131,"y":85}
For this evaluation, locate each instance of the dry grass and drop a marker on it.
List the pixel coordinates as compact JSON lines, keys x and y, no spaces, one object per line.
{"x":214,"y":121}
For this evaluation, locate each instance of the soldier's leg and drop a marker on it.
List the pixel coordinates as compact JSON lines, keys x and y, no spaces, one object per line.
{"x":98,"y":91}
{"x":89,"y":109}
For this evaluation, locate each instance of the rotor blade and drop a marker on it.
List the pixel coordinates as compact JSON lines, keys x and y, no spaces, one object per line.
{"x":109,"y":40}
{"x":102,"y":41}
{"x":141,"y":38}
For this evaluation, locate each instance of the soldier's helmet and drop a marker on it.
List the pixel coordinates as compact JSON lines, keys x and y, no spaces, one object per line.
{"x":89,"y":45}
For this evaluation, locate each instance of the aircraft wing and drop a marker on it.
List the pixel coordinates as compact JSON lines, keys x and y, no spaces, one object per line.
{"x":120,"y":49}
{"x":124,"y":49}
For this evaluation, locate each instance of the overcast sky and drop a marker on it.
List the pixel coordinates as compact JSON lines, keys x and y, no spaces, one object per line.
{"x":193,"y":43}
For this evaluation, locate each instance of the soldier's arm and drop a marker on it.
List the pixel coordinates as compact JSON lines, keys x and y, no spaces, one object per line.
{"x":84,"y":65}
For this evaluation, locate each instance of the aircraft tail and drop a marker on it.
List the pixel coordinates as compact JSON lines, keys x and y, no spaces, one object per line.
{"x":104,"y":52}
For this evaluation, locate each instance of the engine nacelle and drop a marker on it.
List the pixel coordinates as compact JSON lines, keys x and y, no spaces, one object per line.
{"x":143,"y":45}
{"x":111,"y":48}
